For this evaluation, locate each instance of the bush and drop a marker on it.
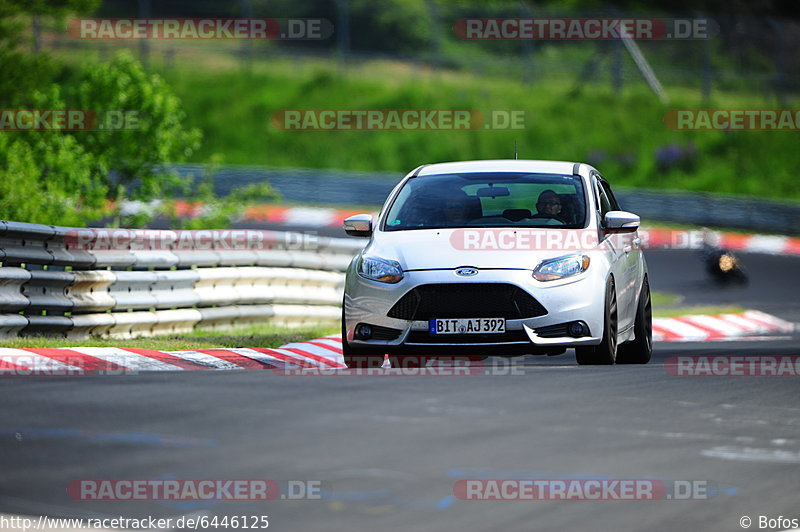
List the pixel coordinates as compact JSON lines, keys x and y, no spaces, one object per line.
{"x":157,"y":137}
{"x":47,"y":176}
{"x":66,"y":177}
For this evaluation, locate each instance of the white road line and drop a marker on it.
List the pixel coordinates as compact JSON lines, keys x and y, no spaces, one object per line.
{"x":750,"y":454}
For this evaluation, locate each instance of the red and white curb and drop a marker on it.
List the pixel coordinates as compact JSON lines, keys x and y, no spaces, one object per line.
{"x":751,"y":324}
{"x":276,"y":214}
{"x":303,"y":216}
{"x":320,"y":353}
{"x":326,"y":353}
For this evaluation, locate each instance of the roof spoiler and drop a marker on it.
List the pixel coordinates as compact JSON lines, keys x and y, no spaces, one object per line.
{"x":576,"y":169}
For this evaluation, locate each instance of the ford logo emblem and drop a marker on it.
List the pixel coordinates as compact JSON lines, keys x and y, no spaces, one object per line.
{"x":467,"y":272}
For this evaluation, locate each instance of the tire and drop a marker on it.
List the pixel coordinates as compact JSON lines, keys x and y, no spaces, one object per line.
{"x":355,"y":357}
{"x":606,"y":352}
{"x":640,"y":349}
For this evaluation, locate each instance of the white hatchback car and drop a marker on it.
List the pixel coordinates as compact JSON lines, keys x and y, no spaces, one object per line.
{"x":502,"y":257}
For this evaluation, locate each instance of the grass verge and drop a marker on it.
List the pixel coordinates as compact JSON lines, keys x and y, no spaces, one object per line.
{"x":256,"y":336}
{"x":623,"y":134}
{"x":700,"y":309}
{"x":668,"y":305}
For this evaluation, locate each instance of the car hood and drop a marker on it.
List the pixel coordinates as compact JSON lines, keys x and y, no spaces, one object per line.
{"x":443,"y":249}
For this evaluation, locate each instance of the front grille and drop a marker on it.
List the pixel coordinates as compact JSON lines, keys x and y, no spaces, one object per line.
{"x":466,"y":300}
{"x":406,"y":308}
{"x":423,"y":337}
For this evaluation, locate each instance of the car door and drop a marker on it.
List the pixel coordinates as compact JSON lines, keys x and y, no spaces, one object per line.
{"x":612,"y":248}
{"x":629,"y":260}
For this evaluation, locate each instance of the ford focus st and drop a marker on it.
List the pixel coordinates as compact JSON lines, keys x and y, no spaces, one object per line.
{"x":504,"y":257}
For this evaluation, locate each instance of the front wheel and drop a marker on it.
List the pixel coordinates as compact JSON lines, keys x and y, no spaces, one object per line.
{"x":640,"y":349}
{"x":606,"y":352}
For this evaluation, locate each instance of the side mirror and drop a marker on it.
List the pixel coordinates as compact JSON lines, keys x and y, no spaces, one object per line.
{"x":359,"y":225}
{"x":620,"y":222}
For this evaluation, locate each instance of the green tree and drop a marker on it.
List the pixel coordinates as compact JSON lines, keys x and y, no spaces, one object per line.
{"x":156,"y":135}
{"x":67,"y":177}
{"x":47,"y":176}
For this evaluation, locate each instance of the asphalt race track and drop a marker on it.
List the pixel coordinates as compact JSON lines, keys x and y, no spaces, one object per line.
{"x":388,"y":450}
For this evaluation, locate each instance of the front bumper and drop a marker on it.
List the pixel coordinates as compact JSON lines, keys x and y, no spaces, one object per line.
{"x":580,"y":298}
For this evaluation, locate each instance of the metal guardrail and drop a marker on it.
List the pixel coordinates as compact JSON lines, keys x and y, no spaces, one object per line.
{"x":52,"y":284}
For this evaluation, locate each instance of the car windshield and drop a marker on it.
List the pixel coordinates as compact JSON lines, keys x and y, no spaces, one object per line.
{"x":488,"y":200}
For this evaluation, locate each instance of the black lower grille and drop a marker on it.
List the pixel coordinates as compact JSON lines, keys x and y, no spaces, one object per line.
{"x":552,"y":331}
{"x":423,"y":337}
{"x":384,"y":333}
{"x":561,"y":330}
{"x":466,"y":300}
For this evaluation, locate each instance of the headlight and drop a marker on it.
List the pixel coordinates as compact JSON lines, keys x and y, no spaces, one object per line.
{"x":561,"y":267}
{"x":385,"y":271}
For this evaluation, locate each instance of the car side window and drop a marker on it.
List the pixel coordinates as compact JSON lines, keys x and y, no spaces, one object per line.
{"x":602,"y":200}
{"x":612,"y":201}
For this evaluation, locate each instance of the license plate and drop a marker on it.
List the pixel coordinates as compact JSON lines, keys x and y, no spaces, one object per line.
{"x":468,"y":326}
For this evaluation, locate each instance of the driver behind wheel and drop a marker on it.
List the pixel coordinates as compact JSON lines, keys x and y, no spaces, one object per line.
{"x":548,"y":206}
